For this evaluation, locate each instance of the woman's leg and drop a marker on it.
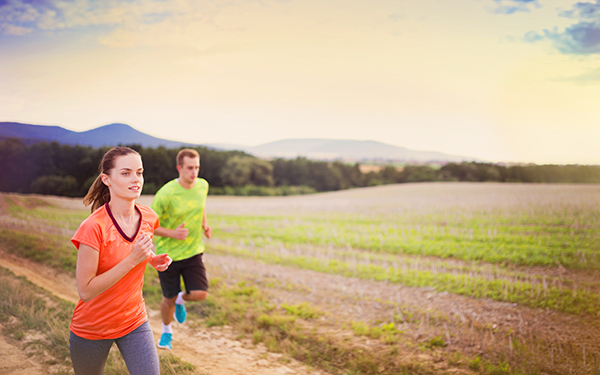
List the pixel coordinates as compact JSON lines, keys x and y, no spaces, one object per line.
{"x":139,"y":351}
{"x":88,"y":356}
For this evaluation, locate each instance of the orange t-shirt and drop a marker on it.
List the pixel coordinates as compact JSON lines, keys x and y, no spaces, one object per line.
{"x":119,"y":309}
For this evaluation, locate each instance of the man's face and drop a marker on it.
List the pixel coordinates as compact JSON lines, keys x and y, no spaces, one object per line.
{"x":188,"y":171}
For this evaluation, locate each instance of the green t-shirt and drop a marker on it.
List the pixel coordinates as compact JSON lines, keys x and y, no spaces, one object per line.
{"x":175,"y":205}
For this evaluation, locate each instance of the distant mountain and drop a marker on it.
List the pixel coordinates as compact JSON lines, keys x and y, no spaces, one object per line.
{"x":319,"y":149}
{"x":336,"y":149}
{"x":108,"y":135}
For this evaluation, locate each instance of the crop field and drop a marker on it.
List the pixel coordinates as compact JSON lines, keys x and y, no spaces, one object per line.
{"x":472,"y":250}
{"x":414,"y":278}
{"x":531,"y":248}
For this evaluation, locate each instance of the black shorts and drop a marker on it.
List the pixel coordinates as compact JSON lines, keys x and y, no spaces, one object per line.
{"x":193,"y":272}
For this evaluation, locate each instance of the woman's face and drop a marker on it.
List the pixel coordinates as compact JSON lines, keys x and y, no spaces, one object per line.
{"x":126,"y":179}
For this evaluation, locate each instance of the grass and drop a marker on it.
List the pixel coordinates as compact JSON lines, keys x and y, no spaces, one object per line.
{"x":515,"y":290}
{"x":39,"y":212}
{"x":283,"y":330}
{"x":516,"y":253}
{"x":53,"y":250}
{"x":26,"y":309}
{"x":493,"y":237}
{"x":473,"y":252}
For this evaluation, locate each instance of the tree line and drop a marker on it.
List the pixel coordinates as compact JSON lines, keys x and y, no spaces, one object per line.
{"x":57,"y":169}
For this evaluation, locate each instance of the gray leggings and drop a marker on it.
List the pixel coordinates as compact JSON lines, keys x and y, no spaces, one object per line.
{"x":137,"y":348}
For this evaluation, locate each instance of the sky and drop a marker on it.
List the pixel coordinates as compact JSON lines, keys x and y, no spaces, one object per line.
{"x":498,"y":80}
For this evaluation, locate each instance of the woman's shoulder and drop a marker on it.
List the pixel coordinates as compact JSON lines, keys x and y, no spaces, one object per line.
{"x":149,"y":218}
{"x":97,"y":220}
{"x":146,"y":211}
{"x":99,"y":215}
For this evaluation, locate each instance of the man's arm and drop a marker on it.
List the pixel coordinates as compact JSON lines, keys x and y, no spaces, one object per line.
{"x":207,"y":230}
{"x":179,"y":233}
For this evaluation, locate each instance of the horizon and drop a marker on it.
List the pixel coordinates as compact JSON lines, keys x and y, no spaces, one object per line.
{"x":512,"y":81}
{"x":497,"y":162}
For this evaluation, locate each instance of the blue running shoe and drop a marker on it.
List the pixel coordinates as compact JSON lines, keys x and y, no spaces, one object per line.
{"x":180,"y":313}
{"x":165,"y":341}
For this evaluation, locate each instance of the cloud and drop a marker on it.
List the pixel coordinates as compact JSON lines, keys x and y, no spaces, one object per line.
{"x":591,"y":77}
{"x":581,"y":11}
{"x":51,"y":15}
{"x":9,"y":29}
{"x":514,"y":6}
{"x":582,"y":38}
{"x":17,"y":18}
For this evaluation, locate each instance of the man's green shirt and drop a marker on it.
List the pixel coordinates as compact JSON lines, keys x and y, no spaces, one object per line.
{"x":175,"y":205}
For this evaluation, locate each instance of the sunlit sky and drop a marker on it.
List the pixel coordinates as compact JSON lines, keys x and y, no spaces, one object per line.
{"x":500,"y":80}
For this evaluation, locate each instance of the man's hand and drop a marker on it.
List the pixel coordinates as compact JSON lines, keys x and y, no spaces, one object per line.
{"x":160,"y":262}
{"x":207,"y":231}
{"x":181,"y":233}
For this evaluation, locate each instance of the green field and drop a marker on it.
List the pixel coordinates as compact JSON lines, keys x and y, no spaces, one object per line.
{"x":471,"y":278}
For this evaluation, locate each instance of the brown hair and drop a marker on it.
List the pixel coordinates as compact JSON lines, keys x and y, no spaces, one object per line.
{"x":99,"y":194}
{"x":186,"y":152}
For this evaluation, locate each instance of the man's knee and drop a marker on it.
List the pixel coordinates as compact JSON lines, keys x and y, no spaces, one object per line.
{"x":195,"y":295}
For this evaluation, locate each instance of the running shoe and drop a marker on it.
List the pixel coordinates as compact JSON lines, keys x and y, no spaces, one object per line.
{"x":180,"y":313}
{"x":165,"y":341}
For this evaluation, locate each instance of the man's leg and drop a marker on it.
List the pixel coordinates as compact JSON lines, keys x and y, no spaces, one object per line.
{"x":196,"y":285}
{"x":167,"y":309}
{"x":170,"y":282}
{"x":195,"y":295}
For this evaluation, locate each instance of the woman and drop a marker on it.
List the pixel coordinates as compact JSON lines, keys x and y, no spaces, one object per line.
{"x":115,"y":244}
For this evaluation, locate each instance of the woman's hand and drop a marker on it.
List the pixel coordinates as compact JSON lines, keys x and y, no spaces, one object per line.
{"x":142,"y":249}
{"x":160,"y":262}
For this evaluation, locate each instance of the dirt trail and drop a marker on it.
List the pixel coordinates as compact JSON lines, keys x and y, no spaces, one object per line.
{"x":15,"y":361}
{"x":213,"y":351}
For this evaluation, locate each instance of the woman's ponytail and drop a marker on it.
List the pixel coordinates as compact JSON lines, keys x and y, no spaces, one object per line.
{"x":98,"y":194}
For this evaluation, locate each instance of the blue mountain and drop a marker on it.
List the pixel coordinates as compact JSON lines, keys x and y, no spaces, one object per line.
{"x":345,"y":149}
{"x":108,"y":135}
{"x":316,"y":148}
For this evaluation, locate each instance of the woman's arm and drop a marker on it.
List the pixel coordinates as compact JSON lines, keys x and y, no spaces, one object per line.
{"x":89,"y":285}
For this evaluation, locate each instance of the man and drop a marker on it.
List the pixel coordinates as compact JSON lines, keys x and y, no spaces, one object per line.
{"x":180,"y":206}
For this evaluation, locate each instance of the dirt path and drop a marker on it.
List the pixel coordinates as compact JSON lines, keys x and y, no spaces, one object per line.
{"x":213,"y":351}
{"x":15,"y":361}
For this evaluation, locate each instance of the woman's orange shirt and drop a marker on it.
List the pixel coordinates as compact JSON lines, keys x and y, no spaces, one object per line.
{"x":120,"y":309}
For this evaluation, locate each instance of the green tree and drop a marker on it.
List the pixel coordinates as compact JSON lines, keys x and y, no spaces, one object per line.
{"x":55,"y":185}
{"x":247,"y":170}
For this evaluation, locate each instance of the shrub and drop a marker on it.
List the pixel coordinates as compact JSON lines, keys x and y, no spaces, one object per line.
{"x":55,"y":185}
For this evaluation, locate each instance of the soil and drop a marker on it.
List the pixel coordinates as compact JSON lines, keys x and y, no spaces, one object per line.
{"x":213,"y":351}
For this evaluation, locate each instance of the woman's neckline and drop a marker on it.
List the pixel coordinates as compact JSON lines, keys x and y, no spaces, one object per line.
{"x":119,"y":229}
